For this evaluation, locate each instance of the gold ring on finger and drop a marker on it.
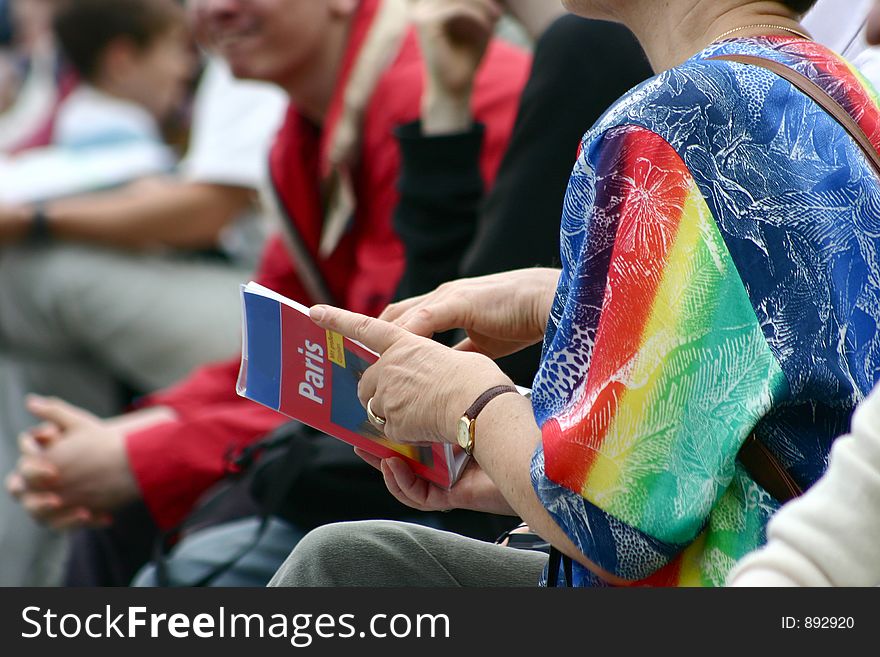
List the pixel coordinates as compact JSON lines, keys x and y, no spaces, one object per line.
{"x":376,"y":420}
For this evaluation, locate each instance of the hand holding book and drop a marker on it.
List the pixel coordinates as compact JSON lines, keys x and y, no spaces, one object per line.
{"x":474,"y":490}
{"x":500,"y":313}
{"x":324,"y":372}
{"x":419,"y":386}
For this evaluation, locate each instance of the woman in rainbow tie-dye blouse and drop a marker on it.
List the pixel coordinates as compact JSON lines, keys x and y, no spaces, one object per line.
{"x":720,"y":276}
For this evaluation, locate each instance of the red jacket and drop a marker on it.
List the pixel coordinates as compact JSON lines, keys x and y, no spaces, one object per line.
{"x":175,"y":462}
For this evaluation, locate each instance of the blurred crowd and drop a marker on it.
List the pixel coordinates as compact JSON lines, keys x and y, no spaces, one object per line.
{"x":699,"y":330}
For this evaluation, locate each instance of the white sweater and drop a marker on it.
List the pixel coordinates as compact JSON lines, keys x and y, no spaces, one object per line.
{"x":831,"y":535}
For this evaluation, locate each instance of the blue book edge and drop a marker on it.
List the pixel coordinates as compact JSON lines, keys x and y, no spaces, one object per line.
{"x":259,"y":377}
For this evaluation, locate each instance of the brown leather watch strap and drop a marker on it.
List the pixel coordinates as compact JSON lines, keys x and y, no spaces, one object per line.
{"x":485,"y":398}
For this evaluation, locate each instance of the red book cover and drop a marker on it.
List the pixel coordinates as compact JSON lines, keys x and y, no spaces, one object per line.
{"x":296,"y":368}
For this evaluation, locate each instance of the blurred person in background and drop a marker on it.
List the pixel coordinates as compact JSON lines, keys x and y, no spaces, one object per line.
{"x":134,"y":62}
{"x":334,"y":170}
{"x":133,"y":65}
{"x":39,"y":80}
{"x":155,"y":294}
{"x":449,"y":229}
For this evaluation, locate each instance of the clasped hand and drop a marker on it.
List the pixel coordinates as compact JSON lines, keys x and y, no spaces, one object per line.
{"x":73,"y":470}
{"x":454,"y":35}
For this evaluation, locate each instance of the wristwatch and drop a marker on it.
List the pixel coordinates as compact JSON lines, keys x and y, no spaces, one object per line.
{"x":467,"y":425}
{"x":38,"y":231}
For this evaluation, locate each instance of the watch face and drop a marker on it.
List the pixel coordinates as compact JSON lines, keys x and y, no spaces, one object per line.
{"x":464,"y":432}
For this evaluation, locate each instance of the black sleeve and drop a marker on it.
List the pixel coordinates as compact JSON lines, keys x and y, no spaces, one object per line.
{"x":441,"y":190}
{"x":580,"y":68}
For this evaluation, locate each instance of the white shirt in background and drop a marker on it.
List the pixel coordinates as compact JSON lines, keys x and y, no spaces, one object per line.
{"x":233,"y":127}
{"x":98,"y":142}
{"x":840,"y":25}
{"x":88,"y":117}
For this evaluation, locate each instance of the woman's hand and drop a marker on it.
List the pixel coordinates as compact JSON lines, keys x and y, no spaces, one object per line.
{"x":420,"y":387}
{"x":453,"y":35}
{"x":501,"y":313}
{"x":474,"y":490}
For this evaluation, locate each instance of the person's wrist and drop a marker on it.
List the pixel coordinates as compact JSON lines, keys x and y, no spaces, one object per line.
{"x":504,"y":410}
{"x":468,"y":393}
{"x":445,"y":112}
{"x":126,"y":489}
{"x":17,"y":223}
{"x":38,"y":228}
{"x":543,"y":301}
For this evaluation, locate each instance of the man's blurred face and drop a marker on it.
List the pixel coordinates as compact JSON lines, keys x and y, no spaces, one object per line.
{"x":272,"y":40}
{"x":874,"y":25}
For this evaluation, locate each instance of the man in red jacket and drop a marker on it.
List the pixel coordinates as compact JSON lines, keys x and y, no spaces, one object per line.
{"x":354,"y":72}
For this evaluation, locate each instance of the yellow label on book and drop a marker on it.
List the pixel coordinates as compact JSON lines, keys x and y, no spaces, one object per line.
{"x":404,"y":450}
{"x":335,"y":349}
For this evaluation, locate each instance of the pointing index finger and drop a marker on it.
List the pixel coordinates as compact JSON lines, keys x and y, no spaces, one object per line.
{"x":373,"y":333}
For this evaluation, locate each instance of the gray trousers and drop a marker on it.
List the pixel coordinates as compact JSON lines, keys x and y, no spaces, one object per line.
{"x":384,"y":553}
{"x":78,"y":322}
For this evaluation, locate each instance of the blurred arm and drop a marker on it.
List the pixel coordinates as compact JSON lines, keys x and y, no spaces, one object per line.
{"x":535,"y":15}
{"x":153,"y":213}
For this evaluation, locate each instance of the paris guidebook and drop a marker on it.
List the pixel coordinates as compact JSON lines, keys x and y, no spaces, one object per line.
{"x":292,"y":366}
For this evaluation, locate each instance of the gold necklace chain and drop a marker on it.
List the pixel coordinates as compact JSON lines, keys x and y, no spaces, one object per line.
{"x":767,"y":26}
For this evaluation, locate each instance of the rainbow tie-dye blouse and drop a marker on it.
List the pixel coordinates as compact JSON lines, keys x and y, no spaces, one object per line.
{"x":721,"y":275}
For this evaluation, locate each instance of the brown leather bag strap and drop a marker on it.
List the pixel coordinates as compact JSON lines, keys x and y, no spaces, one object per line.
{"x":761,"y":464}
{"x":821,"y":97}
{"x":766,"y":471}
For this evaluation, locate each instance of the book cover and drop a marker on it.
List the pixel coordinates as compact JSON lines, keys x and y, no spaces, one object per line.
{"x":297,"y":368}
